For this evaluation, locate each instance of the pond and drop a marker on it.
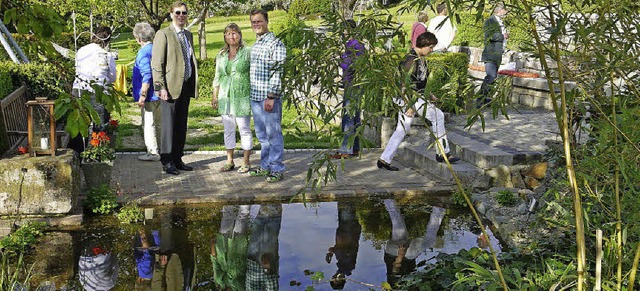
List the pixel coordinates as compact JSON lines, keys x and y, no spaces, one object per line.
{"x":348,"y":244}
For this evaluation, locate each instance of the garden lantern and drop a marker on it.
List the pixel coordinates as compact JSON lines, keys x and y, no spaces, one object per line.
{"x":41,"y":127}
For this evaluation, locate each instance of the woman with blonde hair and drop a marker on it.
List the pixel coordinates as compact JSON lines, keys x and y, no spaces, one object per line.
{"x":419,"y":27}
{"x":231,"y":95}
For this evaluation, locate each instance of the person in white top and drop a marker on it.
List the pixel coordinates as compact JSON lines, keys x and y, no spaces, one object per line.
{"x":94,"y":66}
{"x":443,"y":29}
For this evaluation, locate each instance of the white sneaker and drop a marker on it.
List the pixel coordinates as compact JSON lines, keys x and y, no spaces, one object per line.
{"x":149,"y":157}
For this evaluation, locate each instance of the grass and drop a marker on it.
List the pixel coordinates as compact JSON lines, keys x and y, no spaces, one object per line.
{"x":204,"y":132}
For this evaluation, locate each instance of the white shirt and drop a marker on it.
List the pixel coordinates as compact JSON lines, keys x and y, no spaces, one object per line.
{"x":444,"y":33}
{"x":94,"y":64}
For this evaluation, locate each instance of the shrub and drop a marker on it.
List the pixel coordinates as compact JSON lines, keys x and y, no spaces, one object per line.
{"x":23,"y":237}
{"x":448,"y":79}
{"x":6,"y":84}
{"x":101,"y":200}
{"x":305,"y":7}
{"x":130,"y":213}
{"x":206,"y":73}
{"x":470,"y":31}
{"x":43,"y":79}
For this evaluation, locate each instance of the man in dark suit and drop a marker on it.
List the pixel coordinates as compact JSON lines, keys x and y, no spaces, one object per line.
{"x":175,"y":78}
{"x":495,"y":39}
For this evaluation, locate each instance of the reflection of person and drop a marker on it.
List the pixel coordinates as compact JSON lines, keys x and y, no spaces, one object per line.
{"x":419,"y":27}
{"x":495,"y":39}
{"x":98,"y":269}
{"x":231,"y":95}
{"x":229,"y":248}
{"x":174,"y":260}
{"x":267,"y":57}
{"x":347,"y":244}
{"x":143,"y":254}
{"x":415,"y":65}
{"x":351,"y":116}
{"x":143,"y":93}
{"x":400,"y":252}
{"x":94,"y":66}
{"x":262,"y":256}
{"x":175,"y":79}
{"x":443,"y":29}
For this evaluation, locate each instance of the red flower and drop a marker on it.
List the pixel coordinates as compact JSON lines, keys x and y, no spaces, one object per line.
{"x":113,"y":123}
{"x":22,"y":150}
{"x":102,"y":135}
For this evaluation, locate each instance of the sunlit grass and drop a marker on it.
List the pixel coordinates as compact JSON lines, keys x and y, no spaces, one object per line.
{"x":204,"y":132}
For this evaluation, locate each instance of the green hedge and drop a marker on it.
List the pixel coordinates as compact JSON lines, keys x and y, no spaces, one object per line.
{"x":448,"y":78}
{"x":470,"y":31}
{"x":6,"y":84}
{"x":206,"y":73}
{"x":43,"y":79}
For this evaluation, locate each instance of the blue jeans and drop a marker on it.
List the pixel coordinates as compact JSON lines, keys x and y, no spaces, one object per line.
{"x":350,"y":122}
{"x":268,"y":126}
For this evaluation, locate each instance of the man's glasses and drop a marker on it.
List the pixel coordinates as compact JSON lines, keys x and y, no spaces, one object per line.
{"x":178,"y":12}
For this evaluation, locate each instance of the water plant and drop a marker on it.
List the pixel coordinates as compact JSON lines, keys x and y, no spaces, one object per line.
{"x":14,"y":273}
{"x":101,"y":200}
{"x":506,"y":198}
{"x":24,"y":237}
{"x":130,"y":213}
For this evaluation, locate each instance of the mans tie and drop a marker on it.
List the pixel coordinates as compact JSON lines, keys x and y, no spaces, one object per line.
{"x":185,"y":55}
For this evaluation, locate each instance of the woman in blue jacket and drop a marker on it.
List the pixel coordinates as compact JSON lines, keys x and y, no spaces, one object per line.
{"x":143,"y":91}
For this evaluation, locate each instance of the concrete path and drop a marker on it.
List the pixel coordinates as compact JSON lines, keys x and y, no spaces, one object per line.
{"x":525,"y":131}
{"x":149,"y":185}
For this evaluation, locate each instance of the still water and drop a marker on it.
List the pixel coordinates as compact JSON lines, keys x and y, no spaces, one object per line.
{"x":348,"y":244}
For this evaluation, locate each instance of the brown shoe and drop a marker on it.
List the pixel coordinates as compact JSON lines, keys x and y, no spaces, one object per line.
{"x":338,"y":156}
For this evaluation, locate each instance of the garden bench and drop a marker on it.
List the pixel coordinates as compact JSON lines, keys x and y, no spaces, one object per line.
{"x":14,"y":112}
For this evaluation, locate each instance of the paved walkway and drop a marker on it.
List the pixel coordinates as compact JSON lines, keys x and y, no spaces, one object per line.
{"x":526,"y":130}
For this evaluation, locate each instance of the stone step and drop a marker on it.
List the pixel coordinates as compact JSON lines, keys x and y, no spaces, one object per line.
{"x":477,"y":152}
{"x":417,"y":151}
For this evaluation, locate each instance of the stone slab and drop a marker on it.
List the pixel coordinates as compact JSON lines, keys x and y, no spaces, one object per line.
{"x":42,"y":185}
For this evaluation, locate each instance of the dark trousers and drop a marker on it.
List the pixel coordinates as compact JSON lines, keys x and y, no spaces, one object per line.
{"x":491,"y":69}
{"x":173,"y":133}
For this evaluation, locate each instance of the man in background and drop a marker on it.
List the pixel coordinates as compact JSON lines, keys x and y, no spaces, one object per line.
{"x":495,"y":40}
{"x":443,"y":29}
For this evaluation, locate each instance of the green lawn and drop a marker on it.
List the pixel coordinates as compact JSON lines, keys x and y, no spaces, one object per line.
{"x":204,"y":132}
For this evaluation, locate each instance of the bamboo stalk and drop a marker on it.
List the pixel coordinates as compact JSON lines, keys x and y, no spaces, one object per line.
{"x":563,"y":124}
{"x":598,"y":285}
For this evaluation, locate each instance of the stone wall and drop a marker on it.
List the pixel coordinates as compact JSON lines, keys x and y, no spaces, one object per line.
{"x":39,"y":186}
{"x":532,"y":92}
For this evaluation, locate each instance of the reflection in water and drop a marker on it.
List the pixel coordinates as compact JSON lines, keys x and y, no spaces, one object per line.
{"x":174,"y":262}
{"x":346,"y":246}
{"x":229,"y":248}
{"x":400,"y":252}
{"x":145,"y":245}
{"x":97,"y":268}
{"x":262,"y":256}
{"x":267,"y":247}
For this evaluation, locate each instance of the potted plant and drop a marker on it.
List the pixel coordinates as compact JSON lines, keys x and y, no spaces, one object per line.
{"x":97,"y":160}
{"x":111,"y":128}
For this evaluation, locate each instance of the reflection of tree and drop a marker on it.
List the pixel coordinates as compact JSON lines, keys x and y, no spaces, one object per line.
{"x":229,"y":249}
{"x":262,"y":256}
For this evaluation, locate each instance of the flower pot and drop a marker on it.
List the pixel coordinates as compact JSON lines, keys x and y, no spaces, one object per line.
{"x":97,"y":173}
{"x":112,"y":139}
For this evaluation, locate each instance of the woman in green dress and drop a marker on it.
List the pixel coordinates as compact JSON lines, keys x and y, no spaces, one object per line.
{"x":231,"y":95}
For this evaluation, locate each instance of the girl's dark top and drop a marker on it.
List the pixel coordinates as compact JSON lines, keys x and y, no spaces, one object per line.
{"x":417,"y":67}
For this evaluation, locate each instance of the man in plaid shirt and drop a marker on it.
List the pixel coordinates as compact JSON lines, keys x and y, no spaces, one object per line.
{"x":267,"y":57}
